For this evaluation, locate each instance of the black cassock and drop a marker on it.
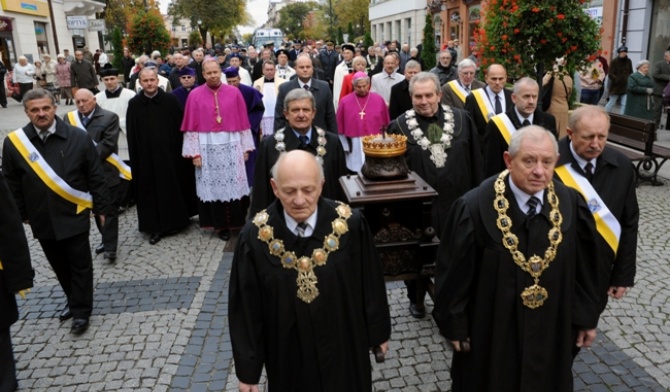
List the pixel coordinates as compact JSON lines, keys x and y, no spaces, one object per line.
{"x":320,"y":346}
{"x":334,"y":167}
{"x":478,"y":287}
{"x":164,"y":181}
{"x":463,"y":169}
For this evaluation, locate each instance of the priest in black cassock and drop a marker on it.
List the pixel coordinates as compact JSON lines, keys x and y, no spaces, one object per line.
{"x":517,"y":276}
{"x":164,"y":181}
{"x":300,"y":134}
{"x":442,"y":148}
{"x":307,"y":298}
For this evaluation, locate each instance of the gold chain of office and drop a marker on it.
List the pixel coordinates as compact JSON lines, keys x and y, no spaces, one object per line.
{"x":306,"y":280}
{"x":535,"y":295}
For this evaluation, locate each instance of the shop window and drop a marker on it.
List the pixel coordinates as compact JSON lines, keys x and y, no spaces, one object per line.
{"x":659,"y":38}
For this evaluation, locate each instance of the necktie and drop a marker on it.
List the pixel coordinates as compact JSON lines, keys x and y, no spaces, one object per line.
{"x":498,"y":105}
{"x":85,"y":121}
{"x":300,"y":229}
{"x":467,"y":90}
{"x":532,"y":206}
{"x":588,"y":170}
{"x":306,"y":87}
{"x":44,"y":135}
{"x":303,"y":140}
{"x":525,"y":122}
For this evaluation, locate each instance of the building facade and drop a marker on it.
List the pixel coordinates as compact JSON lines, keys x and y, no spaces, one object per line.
{"x":32,"y":28}
{"x":397,"y":19}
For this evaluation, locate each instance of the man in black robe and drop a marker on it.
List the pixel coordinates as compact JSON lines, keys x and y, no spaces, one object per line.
{"x":300,"y":109}
{"x":512,"y":331}
{"x":16,"y":275}
{"x":309,"y":309}
{"x":612,"y":177}
{"x":450,"y":161}
{"x":164,"y":181}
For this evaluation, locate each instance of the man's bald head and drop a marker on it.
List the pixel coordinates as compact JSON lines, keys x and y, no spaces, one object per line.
{"x":85,"y":101}
{"x":297,"y":181}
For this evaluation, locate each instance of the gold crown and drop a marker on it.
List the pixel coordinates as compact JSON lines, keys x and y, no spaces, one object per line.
{"x":384,"y":146}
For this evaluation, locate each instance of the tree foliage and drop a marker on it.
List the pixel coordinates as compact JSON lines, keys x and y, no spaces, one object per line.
{"x":526,"y":36}
{"x":355,"y":12}
{"x":292,"y":17}
{"x":147,"y":32}
{"x":119,"y":12}
{"x":429,"y":51}
{"x":340,"y":35}
{"x":218,"y":17}
{"x":367,"y":41}
{"x":117,"y":46}
{"x":194,"y":39}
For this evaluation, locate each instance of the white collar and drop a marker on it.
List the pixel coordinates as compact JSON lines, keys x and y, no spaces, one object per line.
{"x":292,"y":224}
{"x":521,"y":117}
{"x":581,"y":161}
{"x":522,"y":197}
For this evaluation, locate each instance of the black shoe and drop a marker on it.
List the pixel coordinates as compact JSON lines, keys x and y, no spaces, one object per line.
{"x":99,"y":249}
{"x":111,"y":256}
{"x":65,"y":314}
{"x":224,"y":234}
{"x":417,"y":311}
{"x":79,"y":326}
{"x":154,"y":239}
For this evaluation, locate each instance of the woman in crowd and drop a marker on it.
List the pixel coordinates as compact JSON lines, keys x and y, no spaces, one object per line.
{"x":560,"y":95}
{"x":64,"y":81}
{"x":23,"y":75}
{"x":639,"y":94}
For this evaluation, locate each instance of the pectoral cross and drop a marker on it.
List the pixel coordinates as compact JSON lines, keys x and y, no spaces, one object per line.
{"x":362,"y":114}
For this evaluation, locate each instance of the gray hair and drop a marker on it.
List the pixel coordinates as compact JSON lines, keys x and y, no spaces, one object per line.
{"x":145,"y":70}
{"x":412,"y":64}
{"x":586,"y":111}
{"x":359,"y":60}
{"x":298,"y":94}
{"x":424,"y":77}
{"x":437,"y":55}
{"x":466,"y":63}
{"x":37,"y":93}
{"x":641,"y":63}
{"x":534,"y":133}
{"x":525,"y":81}
{"x":275,"y":168}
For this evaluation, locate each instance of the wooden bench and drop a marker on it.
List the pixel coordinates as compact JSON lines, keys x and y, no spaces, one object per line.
{"x":634,"y":138}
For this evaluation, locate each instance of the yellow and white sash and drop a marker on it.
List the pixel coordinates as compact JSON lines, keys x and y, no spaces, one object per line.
{"x":82,"y":200}
{"x":458,"y":90}
{"x":114,"y":159}
{"x":505,"y":126}
{"x":606,"y":223}
{"x":484,"y":103}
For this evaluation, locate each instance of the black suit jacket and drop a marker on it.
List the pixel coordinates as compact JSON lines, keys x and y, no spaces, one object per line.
{"x":323,"y":97}
{"x":479,"y":118}
{"x":614,"y":180}
{"x":495,"y":144}
{"x":71,"y":154}
{"x":400,"y":101}
{"x":104,"y":130}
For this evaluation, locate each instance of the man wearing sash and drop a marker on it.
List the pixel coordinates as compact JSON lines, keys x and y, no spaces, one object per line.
{"x":502,"y":126}
{"x":307,"y":298}
{"x":55,"y":175}
{"x":103,"y":127}
{"x":443,"y":149}
{"x":517,"y":276}
{"x":455,"y":91}
{"x":608,"y":185}
{"x":486,"y":102}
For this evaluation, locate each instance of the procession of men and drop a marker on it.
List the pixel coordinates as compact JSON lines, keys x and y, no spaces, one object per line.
{"x":534,"y":234}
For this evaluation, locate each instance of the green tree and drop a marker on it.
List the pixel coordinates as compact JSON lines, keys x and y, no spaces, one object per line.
{"x":526,"y":37}
{"x":117,"y":46}
{"x":340,"y":35}
{"x":118,"y":13}
{"x":350,"y":31}
{"x":194,"y":39}
{"x":429,"y":51}
{"x":147,"y":32}
{"x":367,"y":41}
{"x":218,"y":17}
{"x":292,"y":17}
{"x":355,"y":12}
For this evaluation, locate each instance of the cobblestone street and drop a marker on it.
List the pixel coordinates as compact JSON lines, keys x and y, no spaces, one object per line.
{"x":160,"y":319}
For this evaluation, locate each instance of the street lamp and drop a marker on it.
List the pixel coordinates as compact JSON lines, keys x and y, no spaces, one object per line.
{"x":200,"y":31}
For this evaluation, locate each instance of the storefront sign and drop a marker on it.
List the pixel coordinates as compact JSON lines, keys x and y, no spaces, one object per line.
{"x":96,"y":25}
{"x":79,"y":22}
{"x":5,"y":24}
{"x":31,"y":7}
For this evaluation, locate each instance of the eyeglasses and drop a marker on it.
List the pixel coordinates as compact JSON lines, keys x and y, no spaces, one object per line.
{"x":186,"y":77}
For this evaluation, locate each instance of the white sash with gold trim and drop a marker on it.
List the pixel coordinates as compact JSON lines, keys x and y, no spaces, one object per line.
{"x":40,"y":166}
{"x":113,"y":158}
{"x":484,"y":104}
{"x":505,"y":126}
{"x":606,"y":223}
{"x":460,"y":92}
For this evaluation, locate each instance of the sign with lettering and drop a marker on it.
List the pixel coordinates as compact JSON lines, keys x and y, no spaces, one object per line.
{"x":96,"y":25}
{"x":78,"y":22}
